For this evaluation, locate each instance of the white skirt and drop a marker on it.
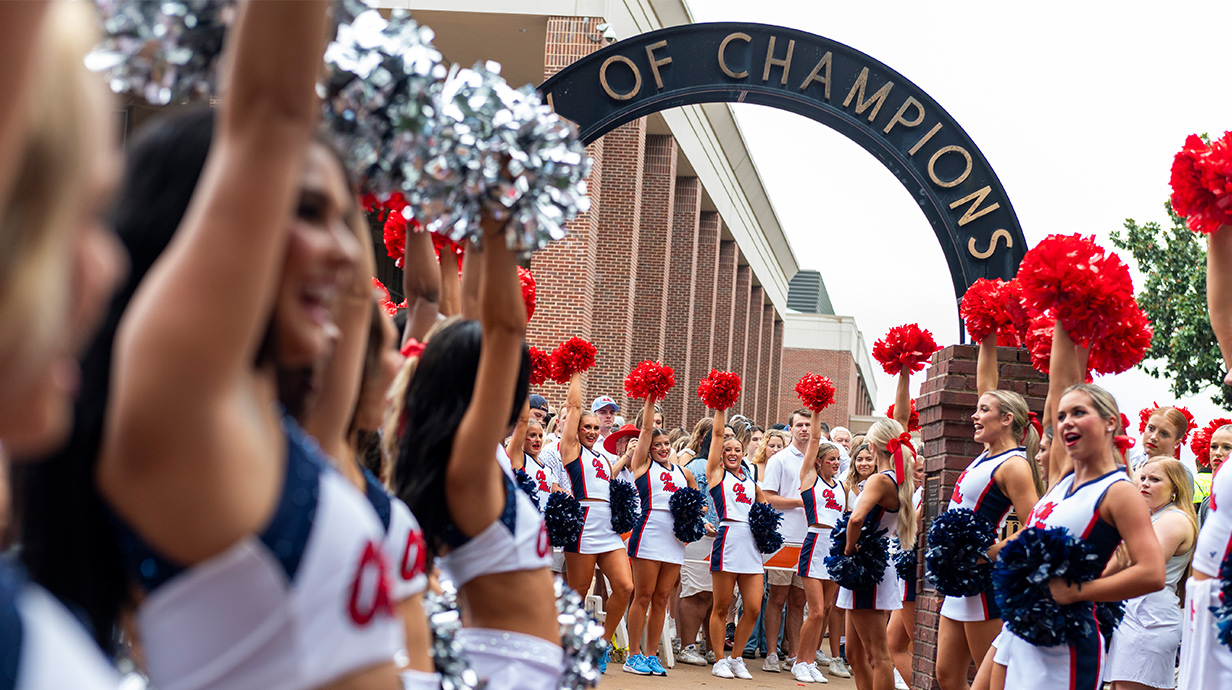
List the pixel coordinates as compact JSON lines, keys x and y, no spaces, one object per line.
{"x":980,"y":607}
{"x":734,"y":550}
{"x":886,"y":595}
{"x":1059,"y":667}
{"x":1206,"y":664}
{"x":597,"y":533}
{"x":654,"y":539}
{"x":1144,"y":644}
{"x":507,"y":660}
{"x":813,"y":554}
{"x":419,"y":680}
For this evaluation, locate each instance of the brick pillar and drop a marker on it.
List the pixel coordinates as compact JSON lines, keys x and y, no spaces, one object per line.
{"x":681,"y":402}
{"x":947,"y":397}
{"x":658,"y":197}
{"x":706,"y":303}
{"x":616,"y":264}
{"x":740,"y":320}
{"x":725,"y":310}
{"x":566,"y":289}
{"x":752,"y":362}
{"x":765,"y":366}
{"x":776,"y":412}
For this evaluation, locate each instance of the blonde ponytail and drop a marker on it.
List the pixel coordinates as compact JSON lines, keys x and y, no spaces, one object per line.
{"x":881,"y":434}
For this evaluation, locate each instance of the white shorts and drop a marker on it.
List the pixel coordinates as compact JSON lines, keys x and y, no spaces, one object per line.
{"x":653,"y":539}
{"x":980,"y":607}
{"x":1060,"y":667}
{"x":734,"y":550}
{"x":813,"y":554}
{"x":1144,"y":644}
{"x":1205,"y":662}
{"x":597,"y":533}
{"x":695,"y":573}
{"x":508,"y":660}
{"x":886,"y":595}
{"x":419,"y":680}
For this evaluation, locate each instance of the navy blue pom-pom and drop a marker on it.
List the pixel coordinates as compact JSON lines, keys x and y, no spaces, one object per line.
{"x":905,"y":564}
{"x":1223,"y":612}
{"x":1020,"y":581}
{"x":527,"y":485}
{"x":625,"y":510}
{"x":1108,"y":614}
{"x":764,"y":522}
{"x":687,"y":505}
{"x":564,"y":519}
{"x":956,"y":559}
{"x":866,"y":567}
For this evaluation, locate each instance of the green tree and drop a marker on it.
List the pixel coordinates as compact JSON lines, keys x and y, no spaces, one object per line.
{"x":1173,"y":262}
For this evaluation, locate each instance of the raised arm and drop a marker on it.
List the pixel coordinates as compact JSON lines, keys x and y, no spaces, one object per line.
{"x":513,"y":448}
{"x":1219,"y":292}
{"x":808,"y":468}
{"x":570,"y":444}
{"x":20,"y":31}
{"x":986,"y":365}
{"x":451,"y":286}
{"x":421,"y":285}
{"x":714,"y":460}
{"x":641,"y":454}
{"x":1065,"y":368}
{"x":902,"y":398}
{"x":471,"y":280}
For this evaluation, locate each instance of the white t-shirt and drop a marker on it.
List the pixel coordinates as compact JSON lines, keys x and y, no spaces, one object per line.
{"x":783,"y":478}
{"x":844,"y":461}
{"x":549,"y":457}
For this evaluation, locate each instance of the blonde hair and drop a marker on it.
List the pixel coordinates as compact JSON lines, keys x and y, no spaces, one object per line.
{"x":1179,"y":423}
{"x":703,"y":425}
{"x":1182,"y":488}
{"x":1104,"y":404}
{"x":391,"y":430}
{"x":881,"y":434}
{"x":759,"y":455}
{"x":1013,"y":404}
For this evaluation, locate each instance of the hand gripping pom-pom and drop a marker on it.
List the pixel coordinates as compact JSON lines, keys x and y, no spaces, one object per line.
{"x":1201,"y":443}
{"x":905,"y":347}
{"x":527,"y":281}
{"x":540,"y":366}
{"x":624,"y":505}
{"x":913,"y":421}
{"x":1125,"y":343}
{"x":686,"y":506}
{"x":1202,"y":183}
{"x":764,"y":523}
{"x":719,"y":390}
{"x":956,"y":559}
{"x":1108,"y":615}
{"x":528,"y":486}
{"x":866,"y":567}
{"x":1223,"y":612}
{"x":650,"y":381}
{"x":994,"y":306}
{"x":1020,"y":580}
{"x":564,"y":519}
{"x":1072,"y":278}
{"x":905,"y":563}
{"x":815,"y":391}
{"x":572,"y":357}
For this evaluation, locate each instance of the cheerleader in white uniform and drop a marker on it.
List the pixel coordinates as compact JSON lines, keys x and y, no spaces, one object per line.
{"x":1003,"y":477}
{"x":1206,"y":663}
{"x":526,"y":443}
{"x":590,"y":475}
{"x":886,"y":501}
{"x":653,"y":547}
{"x":825,"y":501}
{"x":900,"y":634}
{"x":734,"y":558}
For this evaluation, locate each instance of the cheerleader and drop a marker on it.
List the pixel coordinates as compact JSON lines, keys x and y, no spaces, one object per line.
{"x":1002,"y":478}
{"x":656,"y":552}
{"x":1093,"y":500}
{"x":1143,"y":651}
{"x":466,"y":393}
{"x":734,"y":558}
{"x":523,"y":449}
{"x":885,"y":500}
{"x":825,"y":501}
{"x":590,"y":475}
{"x":862,"y":467}
{"x":901,"y":632}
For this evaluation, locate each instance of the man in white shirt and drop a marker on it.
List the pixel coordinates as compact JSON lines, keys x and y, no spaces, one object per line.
{"x":841,"y":435}
{"x":782,"y":489}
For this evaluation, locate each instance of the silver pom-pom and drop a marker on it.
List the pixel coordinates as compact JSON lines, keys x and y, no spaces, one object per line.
{"x":581,"y":638}
{"x":495,"y":148}
{"x":447,"y":654}
{"x":165,"y":51}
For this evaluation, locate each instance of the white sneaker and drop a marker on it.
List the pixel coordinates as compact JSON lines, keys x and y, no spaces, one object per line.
{"x":899,"y":683}
{"x":771,"y":664}
{"x":736,"y":666}
{"x":816,"y":674}
{"x":821,"y":658}
{"x":710,"y":657}
{"x":689,"y":656}
{"x":838,"y":669}
{"x":721,"y":669}
{"x":801,"y":673}
{"x":788,"y":663}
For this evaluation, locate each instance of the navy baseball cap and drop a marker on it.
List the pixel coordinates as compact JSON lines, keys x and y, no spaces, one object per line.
{"x":538,"y":402}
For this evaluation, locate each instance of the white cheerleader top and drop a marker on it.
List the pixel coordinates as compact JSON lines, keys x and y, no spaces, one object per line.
{"x":885,"y":519}
{"x":1077,"y":510}
{"x":1215,"y":539}
{"x":977,"y":491}
{"x":591,"y":476}
{"x":404,"y":541}
{"x":41,"y":645}
{"x":824,"y":503}
{"x":304,"y":603}
{"x":538,"y":473}
{"x":734,"y":496}
{"x":656,"y":486}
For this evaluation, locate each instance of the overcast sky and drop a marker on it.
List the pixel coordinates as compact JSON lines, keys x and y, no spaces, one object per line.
{"x":1079,"y":107}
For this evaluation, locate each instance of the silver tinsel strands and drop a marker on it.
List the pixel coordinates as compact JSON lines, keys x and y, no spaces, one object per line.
{"x":581,"y":637}
{"x":445,"y":621}
{"x":495,"y":148}
{"x":166,"y":51}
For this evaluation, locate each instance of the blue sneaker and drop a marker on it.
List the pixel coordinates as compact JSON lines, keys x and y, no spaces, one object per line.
{"x":656,"y":666}
{"x":636,"y":665}
{"x":607,"y":652}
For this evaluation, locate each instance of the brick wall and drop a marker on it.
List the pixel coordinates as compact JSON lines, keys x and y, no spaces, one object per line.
{"x":751,"y":374}
{"x":657,"y":206}
{"x":841,"y":369}
{"x":776,"y":410}
{"x":705,"y":307}
{"x":725,"y":305}
{"x":681,"y":294}
{"x":740,"y":320}
{"x":947,"y":397}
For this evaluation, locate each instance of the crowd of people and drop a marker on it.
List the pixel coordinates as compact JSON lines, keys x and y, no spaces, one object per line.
{"x":231,"y":467}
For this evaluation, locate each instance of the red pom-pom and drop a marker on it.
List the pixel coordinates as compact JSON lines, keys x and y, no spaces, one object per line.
{"x":383,"y":296}
{"x":719,"y":390}
{"x":1124,"y":346}
{"x":1072,"y":278}
{"x":1202,"y":183}
{"x":540,"y":366}
{"x":990,"y":306}
{"x":527,"y":281}
{"x":650,"y":381}
{"x":1144,"y":416}
{"x":572,"y":357}
{"x":907,"y":347}
{"x":395,"y":237}
{"x":913,"y":422}
{"x":1201,"y":443}
{"x":815,"y":391}
{"x":442,"y":244}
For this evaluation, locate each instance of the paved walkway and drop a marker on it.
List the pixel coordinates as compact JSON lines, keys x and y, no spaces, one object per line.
{"x":685,"y":676}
